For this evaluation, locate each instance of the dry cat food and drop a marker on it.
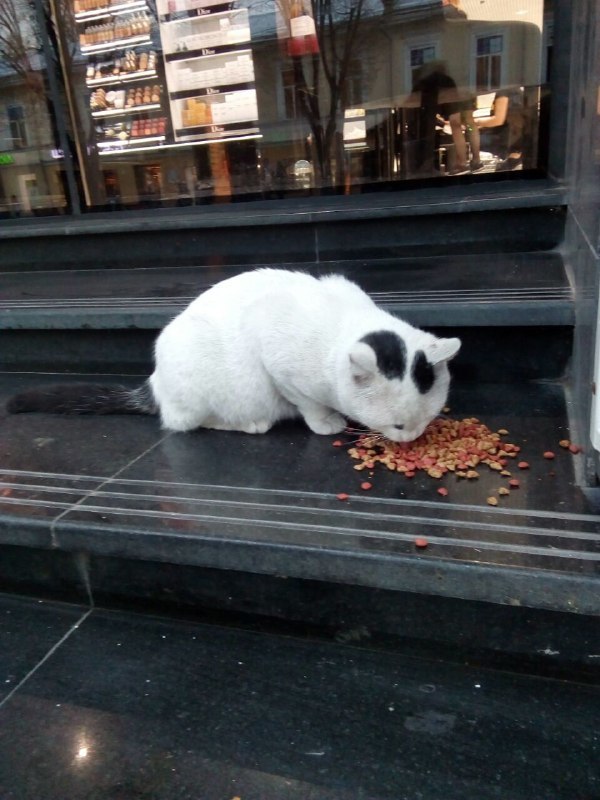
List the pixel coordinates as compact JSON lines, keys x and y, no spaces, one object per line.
{"x":447,"y":445}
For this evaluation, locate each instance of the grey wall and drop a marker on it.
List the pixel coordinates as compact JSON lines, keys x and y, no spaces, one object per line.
{"x":582,"y":238}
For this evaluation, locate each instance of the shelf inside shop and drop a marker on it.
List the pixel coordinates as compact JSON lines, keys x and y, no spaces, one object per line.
{"x":125,"y":78}
{"x":212,"y":91}
{"x":192,"y":14}
{"x":121,"y":112}
{"x":111,"y":11}
{"x":132,"y":41}
{"x":188,"y":55}
{"x":229,"y":131}
{"x":118,"y":146}
{"x":192,"y":8}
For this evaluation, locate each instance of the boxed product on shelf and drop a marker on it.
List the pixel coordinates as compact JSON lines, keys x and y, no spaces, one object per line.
{"x":195,"y":112}
{"x":222,"y":29}
{"x":235,"y":107}
{"x":228,"y":68}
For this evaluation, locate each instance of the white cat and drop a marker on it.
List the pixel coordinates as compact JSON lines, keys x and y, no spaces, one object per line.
{"x":270,"y":345}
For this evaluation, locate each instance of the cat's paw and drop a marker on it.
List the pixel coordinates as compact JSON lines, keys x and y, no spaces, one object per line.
{"x":332,"y":423}
{"x":262,"y":426}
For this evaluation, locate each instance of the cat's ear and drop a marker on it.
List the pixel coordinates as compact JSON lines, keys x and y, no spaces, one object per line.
{"x":363,"y":362}
{"x":442,"y":350}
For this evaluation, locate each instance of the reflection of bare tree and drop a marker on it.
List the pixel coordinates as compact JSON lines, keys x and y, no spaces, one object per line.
{"x":337,"y":24}
{"x":20,"y":44}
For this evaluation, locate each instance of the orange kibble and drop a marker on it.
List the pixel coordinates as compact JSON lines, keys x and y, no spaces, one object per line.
{"x":549,"y":455}
{"x":443,"y":491}
{"x":447,"y":445}
{"x":574,"y":448}
{"x":366,"y":486}
{"x":421,"y":542}
{"x":342,"y":496}
{"x":523,"y":465}
{"x":338,"y":443}
{"x":514,"y":483}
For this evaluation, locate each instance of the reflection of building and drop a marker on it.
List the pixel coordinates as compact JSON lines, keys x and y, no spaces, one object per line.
{"x":166,"y":103}
{"x":30,"y":161}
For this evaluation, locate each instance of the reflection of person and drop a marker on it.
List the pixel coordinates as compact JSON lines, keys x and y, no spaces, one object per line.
{"x":502,"y":131}
{"x":440,"y":97}
{"x":463,"y":129}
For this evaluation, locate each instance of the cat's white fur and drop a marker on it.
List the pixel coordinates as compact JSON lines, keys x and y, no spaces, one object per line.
{"x":271,"y":344}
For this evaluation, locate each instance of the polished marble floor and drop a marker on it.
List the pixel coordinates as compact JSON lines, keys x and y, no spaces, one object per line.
{"x":110,"y":705}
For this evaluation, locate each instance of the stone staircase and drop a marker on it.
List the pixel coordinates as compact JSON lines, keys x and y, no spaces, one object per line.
{"x":115,"y":511}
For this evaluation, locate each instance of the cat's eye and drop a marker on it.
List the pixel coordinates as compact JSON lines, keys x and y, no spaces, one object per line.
{"x":399,"y":427}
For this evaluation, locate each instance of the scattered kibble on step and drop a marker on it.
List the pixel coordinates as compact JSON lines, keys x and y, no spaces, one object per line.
{"x":338,"y":443}
{"x":514,"y":483}
{"x":549,"y":455}
{"x":443,"y":491}
{"x":523,"y":465}
{"x":342,"y":496}
{"x":574,"y":448}
{"x":564,"y":443}
{"x":503,"y":491}
{"x":421,"y":542}
{"x":366,"y":486}
{"x":492,"y":501}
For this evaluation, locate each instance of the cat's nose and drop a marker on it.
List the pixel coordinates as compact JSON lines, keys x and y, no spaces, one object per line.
{"x":399,"y":427}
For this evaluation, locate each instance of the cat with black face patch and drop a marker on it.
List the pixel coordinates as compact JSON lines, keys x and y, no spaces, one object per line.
{"x":270,"y":345}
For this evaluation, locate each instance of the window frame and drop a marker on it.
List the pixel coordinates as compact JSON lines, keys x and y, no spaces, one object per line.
{"x":418,"y":43}
{"x":485,"y":33}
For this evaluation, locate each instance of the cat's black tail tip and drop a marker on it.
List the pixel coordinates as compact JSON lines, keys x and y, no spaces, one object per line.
{"x":84,"y":399}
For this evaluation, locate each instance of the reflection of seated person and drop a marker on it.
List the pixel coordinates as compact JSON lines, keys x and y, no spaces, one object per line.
{"x":458,"y":116}
{"x":502,"y":131}
{"x":438,"y":97}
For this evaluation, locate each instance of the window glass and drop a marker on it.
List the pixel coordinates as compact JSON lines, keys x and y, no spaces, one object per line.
{"x":181,"y":102}
{"x":32,"y":177}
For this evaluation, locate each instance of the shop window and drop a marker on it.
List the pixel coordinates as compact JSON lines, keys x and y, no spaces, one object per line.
{"x":488,"y":62}
{"x":185,"y":102}
{"x":18,"y":130}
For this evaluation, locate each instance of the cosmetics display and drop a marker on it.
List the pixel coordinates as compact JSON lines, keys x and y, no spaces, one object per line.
{"x":123,"y":74}
{"x":201,"y":89}
{"x":209,"y":69}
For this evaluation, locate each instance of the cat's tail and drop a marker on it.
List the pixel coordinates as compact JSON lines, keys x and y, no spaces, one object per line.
{"x":85,"y":398}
